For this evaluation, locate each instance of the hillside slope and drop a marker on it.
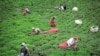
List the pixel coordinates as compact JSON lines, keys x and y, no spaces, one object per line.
{"x":14,"y":27}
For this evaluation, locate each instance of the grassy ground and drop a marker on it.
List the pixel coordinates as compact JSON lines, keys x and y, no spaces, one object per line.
{"x":14,"y":27}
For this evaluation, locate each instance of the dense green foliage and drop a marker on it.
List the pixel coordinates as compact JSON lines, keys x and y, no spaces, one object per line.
{"x":14,"y":27}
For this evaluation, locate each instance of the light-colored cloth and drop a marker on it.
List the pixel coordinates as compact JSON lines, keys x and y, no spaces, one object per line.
{"x":21,"y":54}
{"x":94,"y":28}
{"x":27,"y":9}
{"x":37,"y":29}
{"x":70,"y":42}
{"x":75,"y":9}
{"x":78,"y":21}
{"x":62,"y":7}
{"x":23,"y":44}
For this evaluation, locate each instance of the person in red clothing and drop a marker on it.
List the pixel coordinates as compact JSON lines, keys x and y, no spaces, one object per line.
{"x":52,"y":22}
{"x":71,"y":43}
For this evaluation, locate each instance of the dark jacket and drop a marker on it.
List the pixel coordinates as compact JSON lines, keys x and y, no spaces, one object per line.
{"x":25,"y":51}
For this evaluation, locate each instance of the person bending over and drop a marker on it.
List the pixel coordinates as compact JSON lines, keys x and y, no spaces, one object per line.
{"x":38,"y":31}
{"x":52,"y":22}
{"x":61,"y":7}
{"x":25,"y":11}
{"x":24,"y":50}
{"x":69,"y":44}
{"x":35,"y":31}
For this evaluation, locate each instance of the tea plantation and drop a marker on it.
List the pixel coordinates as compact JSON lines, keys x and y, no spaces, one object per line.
{"x":14,"y":27}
